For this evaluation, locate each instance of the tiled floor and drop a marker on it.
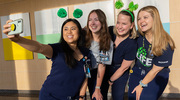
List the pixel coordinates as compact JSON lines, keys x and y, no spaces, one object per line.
{"x":16,"y":97}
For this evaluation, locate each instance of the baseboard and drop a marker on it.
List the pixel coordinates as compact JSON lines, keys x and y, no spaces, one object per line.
{"x":19,"y":93}
{"x":35,"y":93}
{"x":170,"y":95}
{"x":165,"y":95}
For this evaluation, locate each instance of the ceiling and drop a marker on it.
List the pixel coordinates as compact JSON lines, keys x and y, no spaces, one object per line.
{"x":8,"y":1}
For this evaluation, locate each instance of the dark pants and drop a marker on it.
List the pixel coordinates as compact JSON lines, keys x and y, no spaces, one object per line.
{"x":118,"y":87}
{"x":44,"y":95}
{"x":104,"y":85}
{"x":155,"y":87}
{"x":92,"y":82}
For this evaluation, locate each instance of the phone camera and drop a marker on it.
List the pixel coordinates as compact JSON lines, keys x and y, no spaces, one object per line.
{"x":13,"y":27}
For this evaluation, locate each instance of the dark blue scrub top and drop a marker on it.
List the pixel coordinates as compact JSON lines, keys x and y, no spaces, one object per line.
{"x":62,"y":80}
{"x":125,"y":50}
{"x":146,"y":61}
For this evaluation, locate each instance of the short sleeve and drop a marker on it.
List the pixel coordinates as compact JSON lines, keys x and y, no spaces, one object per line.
{"x":130,"y":52}
{"x":56,"y":48}
{"x":110,"y":53}
{"x":165,"y":59}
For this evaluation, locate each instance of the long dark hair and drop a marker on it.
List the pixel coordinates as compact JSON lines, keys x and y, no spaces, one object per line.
{"x":69,"y":53}
{"x":104,"y":37}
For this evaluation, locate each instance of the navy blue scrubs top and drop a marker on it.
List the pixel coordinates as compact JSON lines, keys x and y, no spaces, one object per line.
{"x":62,"y":80}
{"x":125,"y":50}
{"x":146,"y":60}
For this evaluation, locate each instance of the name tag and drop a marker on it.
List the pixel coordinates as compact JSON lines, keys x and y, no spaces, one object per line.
{"x":104,"y":56}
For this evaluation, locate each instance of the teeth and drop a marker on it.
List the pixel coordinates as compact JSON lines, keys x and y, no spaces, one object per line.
{"x":143,"y":25}
{"x":93,"y":27}
{"x":70,"y":36}
{"x":120,"y":30}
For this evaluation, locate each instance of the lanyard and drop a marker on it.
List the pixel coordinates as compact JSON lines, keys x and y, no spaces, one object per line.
{"x":86,"y":67}
{"x":149,"y":48}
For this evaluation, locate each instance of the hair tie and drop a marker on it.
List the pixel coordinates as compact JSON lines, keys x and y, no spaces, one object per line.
{"x":62,"y":13}
{"x":77,"y":13}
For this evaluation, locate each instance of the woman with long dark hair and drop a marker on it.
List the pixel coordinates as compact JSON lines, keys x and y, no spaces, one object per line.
{"x":98,"y":40}
{"x":67,"y":79}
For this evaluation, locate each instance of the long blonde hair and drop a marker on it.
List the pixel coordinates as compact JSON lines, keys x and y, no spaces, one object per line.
{"x":160,"y":38}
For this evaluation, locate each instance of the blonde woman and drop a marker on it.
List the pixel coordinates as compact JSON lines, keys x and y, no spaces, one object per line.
{"x":123,"y":35}
{"x":154,"y":56}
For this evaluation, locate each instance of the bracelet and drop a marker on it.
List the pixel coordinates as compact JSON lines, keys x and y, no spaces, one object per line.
{"x":142,"y":85}
{"x":97,"y":87}
{"x":82,"y":97}
{"x":111,"y":81}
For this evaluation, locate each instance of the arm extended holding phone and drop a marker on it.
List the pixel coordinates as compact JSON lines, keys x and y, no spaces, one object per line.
{"x":12,"y":29}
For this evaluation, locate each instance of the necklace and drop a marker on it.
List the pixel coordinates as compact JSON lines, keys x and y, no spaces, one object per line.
{"x":149,"y":48}
{"x":150,"y":55}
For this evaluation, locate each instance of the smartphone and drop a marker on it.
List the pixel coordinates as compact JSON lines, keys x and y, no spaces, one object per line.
{"x":16,"y":27}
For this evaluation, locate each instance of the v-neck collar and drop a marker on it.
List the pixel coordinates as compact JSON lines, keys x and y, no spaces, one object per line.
{"x":120,"y":42}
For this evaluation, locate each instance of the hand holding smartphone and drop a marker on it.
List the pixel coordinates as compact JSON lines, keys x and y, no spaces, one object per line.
{"x":16,"y":27}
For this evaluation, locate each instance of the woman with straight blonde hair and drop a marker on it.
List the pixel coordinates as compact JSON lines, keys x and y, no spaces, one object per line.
{"x":154,"y":56}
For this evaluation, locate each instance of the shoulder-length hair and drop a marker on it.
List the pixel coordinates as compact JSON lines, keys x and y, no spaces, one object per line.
{"x":160,"y":38}
{"x":104,"y":37}
{"x":69,"y":53}
{"x":132,"y":32}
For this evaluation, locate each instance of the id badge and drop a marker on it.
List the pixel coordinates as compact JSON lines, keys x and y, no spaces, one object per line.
{"x":104,"y":56}
{"x":87,"y":71}
{"x":150,"y":55}
{"x":87,"y":67}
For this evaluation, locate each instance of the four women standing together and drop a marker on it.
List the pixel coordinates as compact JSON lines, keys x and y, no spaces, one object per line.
{"x":151,"y":49}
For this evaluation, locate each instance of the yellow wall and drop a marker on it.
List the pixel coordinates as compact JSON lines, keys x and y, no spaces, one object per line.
{"x":30,"y":74}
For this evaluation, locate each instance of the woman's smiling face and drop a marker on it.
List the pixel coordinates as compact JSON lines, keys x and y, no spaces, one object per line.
{"x":123,"y":25}
{"x":70,"y":33}
{"x":94,"y":23}
{"x":145,"y":21}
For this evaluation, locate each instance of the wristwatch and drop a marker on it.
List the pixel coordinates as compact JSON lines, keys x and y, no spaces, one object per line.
{"x":142,"y":85}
